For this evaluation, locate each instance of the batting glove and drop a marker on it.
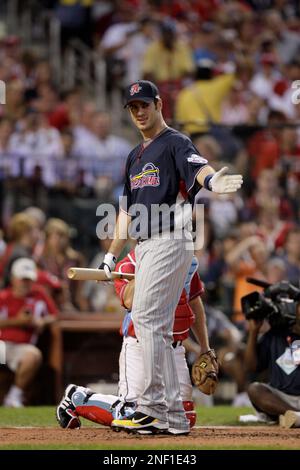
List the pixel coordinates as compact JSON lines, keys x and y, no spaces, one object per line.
{"x":108,"y":264}
{"x":222,"y":183}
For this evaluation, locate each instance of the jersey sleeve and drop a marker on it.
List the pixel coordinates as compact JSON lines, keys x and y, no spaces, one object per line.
{"x":188,"y":161}
{"x":197,"y":287}
{"x":124,"y":266}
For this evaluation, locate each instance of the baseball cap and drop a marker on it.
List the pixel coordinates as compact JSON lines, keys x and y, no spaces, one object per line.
{"x":141,"y":90}
{"x":24,"y":268}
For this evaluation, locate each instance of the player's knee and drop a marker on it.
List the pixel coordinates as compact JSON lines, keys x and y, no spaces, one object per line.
{"x":79,"y":398}
{"x":32,"y":356}
{"x":255,"y":391}
{"x":190,"y":412}
{"x":254,"y":388}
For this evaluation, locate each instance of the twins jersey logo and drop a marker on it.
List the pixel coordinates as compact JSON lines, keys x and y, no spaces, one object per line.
{"x":135,"y":89}
{"x":149,"y":176}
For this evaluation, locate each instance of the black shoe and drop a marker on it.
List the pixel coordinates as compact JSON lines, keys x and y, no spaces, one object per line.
{"x":65,"y":411}
{"x":141,"y":423}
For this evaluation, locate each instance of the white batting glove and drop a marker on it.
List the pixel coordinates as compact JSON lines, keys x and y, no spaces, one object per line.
{"x":222,"y":183}
{"x":108,"y":264}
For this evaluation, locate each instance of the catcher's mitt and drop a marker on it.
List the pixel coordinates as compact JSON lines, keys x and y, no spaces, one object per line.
{"x":205,"y":372}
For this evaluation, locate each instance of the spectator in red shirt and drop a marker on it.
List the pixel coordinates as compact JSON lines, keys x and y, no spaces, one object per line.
{"x":25,"y":310}
{"x":264,"y":146}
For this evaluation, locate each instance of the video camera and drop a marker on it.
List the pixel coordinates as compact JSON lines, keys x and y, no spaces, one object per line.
{"x":277,"y":303}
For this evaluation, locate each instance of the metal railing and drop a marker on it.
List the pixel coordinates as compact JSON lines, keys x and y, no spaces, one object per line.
{"x":53,"y":169}
{"x":11,"y":16}
{"x":78,"y":64}
{"x":86,"y":67}
{"x":18,"y":20}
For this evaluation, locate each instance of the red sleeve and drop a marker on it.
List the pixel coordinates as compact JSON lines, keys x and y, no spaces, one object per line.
{"x":3,"y":301}
{"x":197,"y":287}
{"x":52,"y":309}
{"x":126,"y":265}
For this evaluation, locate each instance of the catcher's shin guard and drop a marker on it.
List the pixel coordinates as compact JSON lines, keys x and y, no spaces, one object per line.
{"x":96,"y":414}
{"x":94,"y":406}
{"x":190,"y":412}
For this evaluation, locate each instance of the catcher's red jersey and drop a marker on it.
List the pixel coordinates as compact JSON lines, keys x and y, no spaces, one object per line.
{"x":184,"y":316}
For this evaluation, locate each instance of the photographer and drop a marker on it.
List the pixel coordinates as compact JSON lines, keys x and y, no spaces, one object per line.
{"x":277,"y":350}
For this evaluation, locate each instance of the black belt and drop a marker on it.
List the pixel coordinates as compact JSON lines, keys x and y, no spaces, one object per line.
{"x":174,"y":345}
{"x":141,"y":240}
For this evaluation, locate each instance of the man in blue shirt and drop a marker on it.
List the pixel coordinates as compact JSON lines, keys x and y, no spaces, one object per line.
{"x":163,"y":174}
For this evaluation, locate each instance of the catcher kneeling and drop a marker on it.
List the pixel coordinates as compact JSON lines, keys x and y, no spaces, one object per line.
{"x":105,"y":409}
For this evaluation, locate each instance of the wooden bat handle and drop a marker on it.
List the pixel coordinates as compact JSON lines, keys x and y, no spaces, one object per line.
{"x":89,"y":274}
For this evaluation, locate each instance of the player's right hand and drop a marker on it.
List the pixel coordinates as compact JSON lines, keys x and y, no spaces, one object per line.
{"x":108,"y":264}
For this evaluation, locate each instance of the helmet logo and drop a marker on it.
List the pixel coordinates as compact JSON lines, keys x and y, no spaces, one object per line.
{"x":135,"y":89}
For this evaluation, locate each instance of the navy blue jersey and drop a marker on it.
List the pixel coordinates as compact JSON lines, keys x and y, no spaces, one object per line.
{"x":162,"y":173}
{"x":274,"y":352}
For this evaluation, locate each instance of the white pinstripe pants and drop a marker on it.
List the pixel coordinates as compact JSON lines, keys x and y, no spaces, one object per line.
{"x":131,"y":380}
{"x":161,"y":269}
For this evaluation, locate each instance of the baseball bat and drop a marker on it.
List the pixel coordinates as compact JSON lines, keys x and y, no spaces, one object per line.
{"x":89,"y":274}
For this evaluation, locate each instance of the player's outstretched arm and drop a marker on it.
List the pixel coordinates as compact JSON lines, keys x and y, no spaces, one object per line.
{"x":220,"y":181}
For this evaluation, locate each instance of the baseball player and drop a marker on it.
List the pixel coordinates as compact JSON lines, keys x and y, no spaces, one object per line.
{"x":164,"y":171}
{"x":80,"y":401}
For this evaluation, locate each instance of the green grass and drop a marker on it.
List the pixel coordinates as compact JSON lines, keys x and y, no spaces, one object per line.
{"x":29,"y":416}
{"x":45,"y":416}
{"x":220,"y":415}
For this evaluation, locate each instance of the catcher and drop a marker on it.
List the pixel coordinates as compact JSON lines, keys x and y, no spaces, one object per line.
{"x":80,"y":401}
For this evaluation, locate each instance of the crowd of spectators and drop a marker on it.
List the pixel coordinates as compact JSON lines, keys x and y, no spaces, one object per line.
{"x":226,"y":71}
{"x":216,"y":62}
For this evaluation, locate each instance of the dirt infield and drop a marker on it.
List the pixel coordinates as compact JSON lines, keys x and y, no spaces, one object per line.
{"x":201,"y":436}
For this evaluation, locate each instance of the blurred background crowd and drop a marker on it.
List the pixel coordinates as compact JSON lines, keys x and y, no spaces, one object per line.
{"x":227,"y":73}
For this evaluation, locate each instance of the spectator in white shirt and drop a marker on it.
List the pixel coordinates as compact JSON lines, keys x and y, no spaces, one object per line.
{"x":263,"y":81}
{"x":36,"y":143}
{"x":104,"y":154}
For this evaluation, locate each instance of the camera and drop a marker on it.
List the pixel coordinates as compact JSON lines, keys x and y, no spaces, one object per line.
{"x":277,"y":303}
